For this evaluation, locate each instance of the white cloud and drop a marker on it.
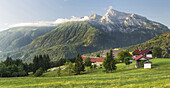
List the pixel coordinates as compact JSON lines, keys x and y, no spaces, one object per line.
{"x":54,"y":23}
{"x":110,"y":7}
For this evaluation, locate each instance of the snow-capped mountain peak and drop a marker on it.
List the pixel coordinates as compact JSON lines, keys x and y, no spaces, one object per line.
{"x":115,"y":20}
{"x":112,"y":16}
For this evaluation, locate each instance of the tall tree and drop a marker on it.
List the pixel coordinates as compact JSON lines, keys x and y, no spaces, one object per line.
{"x":69,"y":67}
{"x":109,"y":63}
{"x":41,"y":61}
{"x":48,"y":62}
{"x":106,"y":62}
{"x":88,"y":62}
{"x":18,"y":62}
{"x":112,"y":61}
{"x":157,"y":52}
{"x":35,"y":64}
{"x":127,"y":61}
{"x":8,"y":61}
{"x":122,"y":55}
{"x":3,"y":69}
{"x":79,"y":66}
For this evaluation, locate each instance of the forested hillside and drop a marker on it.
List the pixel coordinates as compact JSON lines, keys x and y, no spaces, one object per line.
{"x":162,"y":41}
{"x":18,"y":37}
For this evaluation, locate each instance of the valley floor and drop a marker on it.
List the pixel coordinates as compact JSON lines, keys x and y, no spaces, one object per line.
{"x":158,"y":77}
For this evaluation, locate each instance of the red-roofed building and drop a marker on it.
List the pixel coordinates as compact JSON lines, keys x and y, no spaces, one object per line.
{"x":141,"y":55}
{"x":145,"y":53}
{"x":95,"y":60}
{"x":138,"y":59}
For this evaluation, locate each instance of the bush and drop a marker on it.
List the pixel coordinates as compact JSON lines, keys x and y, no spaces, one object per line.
{"x":127,"y":60}
{"x":94,"y":66}
{"x":14,"y":74}
{"x":59,"y":71}
{"x":38,"y":72}
{"x":142,"y":63}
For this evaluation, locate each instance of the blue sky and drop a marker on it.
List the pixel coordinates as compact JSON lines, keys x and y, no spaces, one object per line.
{"x":24,"y":11}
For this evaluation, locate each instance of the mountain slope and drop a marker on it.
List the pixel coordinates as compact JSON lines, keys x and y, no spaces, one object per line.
{"x":67,"y":40}
{"x":18,"y":37}
{"x":162,"y":41}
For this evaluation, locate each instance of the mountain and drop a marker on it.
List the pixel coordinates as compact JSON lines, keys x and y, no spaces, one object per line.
{"x":114,"y":29}
{"x":17,"y":37}
{"x":125,"y":22}
{"x":66,"y":41}
{"x":162,"y":41}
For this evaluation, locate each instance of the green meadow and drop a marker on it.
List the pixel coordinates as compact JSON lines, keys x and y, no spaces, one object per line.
{"x":123,"y":77}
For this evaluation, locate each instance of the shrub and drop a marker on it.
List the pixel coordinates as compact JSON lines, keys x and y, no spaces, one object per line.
{"x":59,"y":71}
{"x":38,"y":72}
{"x":94,"y":66}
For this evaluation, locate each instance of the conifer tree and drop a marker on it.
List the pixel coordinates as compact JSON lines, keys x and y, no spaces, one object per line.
{"x":79,"y":66}
{"x":112,"y":61}
{"x":8,"y":61}
{"x":109,"y":63}
{"x":35,"y":64}
{"x":106,"y":62}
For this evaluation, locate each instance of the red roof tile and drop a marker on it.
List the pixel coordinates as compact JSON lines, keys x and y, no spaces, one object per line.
{"x":94,"y":59}
{"x":138,"y":57}
{"x":141,"y":52}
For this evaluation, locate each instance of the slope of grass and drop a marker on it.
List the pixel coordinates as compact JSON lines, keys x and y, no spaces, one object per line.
{"x":158,"y":77}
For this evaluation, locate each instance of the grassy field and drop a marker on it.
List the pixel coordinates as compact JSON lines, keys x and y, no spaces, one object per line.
{"x":158,"y":77}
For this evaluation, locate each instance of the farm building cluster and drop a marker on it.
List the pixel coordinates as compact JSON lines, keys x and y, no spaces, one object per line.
{"x":138,"y":56}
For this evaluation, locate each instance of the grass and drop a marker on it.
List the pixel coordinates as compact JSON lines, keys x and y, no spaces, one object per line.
{"x":158,"y":77}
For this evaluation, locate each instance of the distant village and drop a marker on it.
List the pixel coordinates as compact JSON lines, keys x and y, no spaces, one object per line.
{"x":137,"y":56}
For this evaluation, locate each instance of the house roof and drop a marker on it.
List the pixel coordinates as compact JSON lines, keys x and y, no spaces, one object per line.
{"x":138,"y":57}
{"x":141,"y":52}
{"x":94,"y":59}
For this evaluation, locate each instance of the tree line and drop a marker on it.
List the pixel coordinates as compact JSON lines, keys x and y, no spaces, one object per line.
{"x":13,"y":68}
{"x":41,"y":63}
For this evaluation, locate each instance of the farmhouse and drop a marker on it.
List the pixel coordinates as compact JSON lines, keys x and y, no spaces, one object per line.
{"x":146,"y":53}
{"x":142,"y":55}
{"x":95,"y":60}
